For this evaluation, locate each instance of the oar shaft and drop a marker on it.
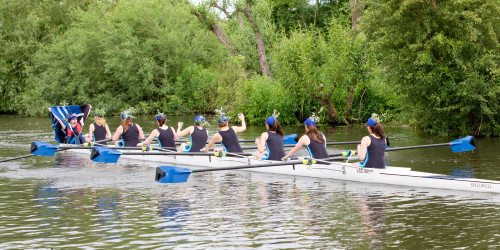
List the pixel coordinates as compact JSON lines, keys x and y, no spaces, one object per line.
{"x":15,"y":158}
{"x":248,"y":166}
{"x":176,"y":153}
{"x":293,"y":145}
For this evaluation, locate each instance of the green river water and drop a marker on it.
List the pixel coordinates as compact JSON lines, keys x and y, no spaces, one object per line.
{"x":69,"y":202}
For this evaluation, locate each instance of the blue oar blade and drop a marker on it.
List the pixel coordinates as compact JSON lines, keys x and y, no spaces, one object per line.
{"x":43,"y":149}
{"x":105,"y":155}
{"x":290,"y":139}
{"x":463,"y":144}
{"x":168,"y":174}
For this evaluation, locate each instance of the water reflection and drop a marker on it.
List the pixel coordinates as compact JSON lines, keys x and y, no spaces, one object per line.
{"x":373,"y":216}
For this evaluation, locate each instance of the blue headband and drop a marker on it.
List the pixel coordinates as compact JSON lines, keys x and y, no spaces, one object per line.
{"x":371,"y":122}
{"x":222,"y":119}
{"x":158,"y":117}
{"x":128,"y":116}
{"x":310,"y":122}
{"x":270,"y":120}
{"x":199,"y":119}
{"x":71,"y":117}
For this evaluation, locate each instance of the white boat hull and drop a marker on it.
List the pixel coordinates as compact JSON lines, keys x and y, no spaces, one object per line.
{"x":336,"y":170}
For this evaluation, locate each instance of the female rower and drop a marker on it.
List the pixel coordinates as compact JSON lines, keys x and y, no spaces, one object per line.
{"x":313,"y":139}
{"x":372,"y":148}
{"x":73,"y":134}
{"x":129,"y":132}
{"x":165,"y":134}
{"x":199,"y":135}
{"x":227,"y":135}
{"x":272,"y":139}
{"x":99,"y":130}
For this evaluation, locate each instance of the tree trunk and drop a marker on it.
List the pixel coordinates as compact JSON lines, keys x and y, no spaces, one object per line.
{"x":215,"y":28}
{"x":356,"y":7}
{"x":330,"y":109}
{"x":264,"y":67}
{"x":350,"y":99}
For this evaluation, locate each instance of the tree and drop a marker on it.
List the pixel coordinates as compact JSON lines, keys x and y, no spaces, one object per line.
{"x":444,"y":58}
{"x":245,"y":8}
{"x":26,"y":26}
{"x":323,"y":65}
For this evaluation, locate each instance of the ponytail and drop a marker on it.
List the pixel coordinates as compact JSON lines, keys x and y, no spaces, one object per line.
{"x":161,"y":121}
{"x":314,"y":134}
{"x":126,"y":123}
{"x":100,"y":121}
{"x":378,"y":130}
{"x":276,"y":127}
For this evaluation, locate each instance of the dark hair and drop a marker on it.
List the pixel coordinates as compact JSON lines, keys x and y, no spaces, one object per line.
{"x":126,"y":123}
{"x":221,"y":125}
{"x":314,"y":134}
{"x":161,"y":121}
{"x":276,"y":127}
{"x":378,"y":130}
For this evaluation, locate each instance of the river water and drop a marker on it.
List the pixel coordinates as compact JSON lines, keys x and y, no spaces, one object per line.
{"x":68,"y":201}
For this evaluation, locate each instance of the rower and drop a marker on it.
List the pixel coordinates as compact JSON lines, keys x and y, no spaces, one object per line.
{"x":372,"y":148}
{"x":130,"y":133}
{"x":272,"y":139}
{"x":227,"y":135}
{"x":72,"y":134}
{"x":99,"y":130}
{"x":199,"y":135}
{"x":313,"y":139}
{"x":165,"y":134}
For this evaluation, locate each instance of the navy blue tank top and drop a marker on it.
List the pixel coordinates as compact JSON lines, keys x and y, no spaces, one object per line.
{"x":230,"y":141}
{"x":317,"y":150}
{"x":166,"y":137}
{"x":99,"y":132}
{"x":198,"y":139}
{"x":275,"y":146}
{"x":376,"y":152}
{"x":131,"y":136}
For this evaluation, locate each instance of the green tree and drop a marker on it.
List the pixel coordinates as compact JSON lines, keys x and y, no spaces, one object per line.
{"x":443,"y":57}
{"x":26,"y":26}
{"x":323,"y":65}
{"x":152,"y":54}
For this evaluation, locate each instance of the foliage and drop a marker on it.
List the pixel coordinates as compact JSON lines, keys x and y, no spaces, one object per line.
{"x":321,"y":65}
{"x":25,"y":26}
{"x":290,"y":14}
{"x":444,"y":58}
{"x":257,"y":98}
{"x":151,"y":53}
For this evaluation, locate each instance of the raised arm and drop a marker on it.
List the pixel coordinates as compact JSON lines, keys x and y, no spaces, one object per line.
{"x":304,"y":140}
{"x":243,"y":125}
{"x":63,"y":126}
{"x":215,"y":139}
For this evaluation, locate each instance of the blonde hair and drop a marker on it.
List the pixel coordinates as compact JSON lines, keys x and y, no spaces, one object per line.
{"x":126,"y":123}
{"x":100,"y":121}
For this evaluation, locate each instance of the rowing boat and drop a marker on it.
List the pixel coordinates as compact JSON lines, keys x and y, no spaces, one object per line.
{"x":334,"y":170}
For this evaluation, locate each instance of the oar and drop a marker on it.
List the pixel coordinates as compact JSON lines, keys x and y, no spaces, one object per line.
{"x":290,"y":139}
{"x":460,"y":145}
{"x":45,"y":149}
{"x":169,"y":174}
{"x":293,"y":145}
{"x":109,"y":155}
